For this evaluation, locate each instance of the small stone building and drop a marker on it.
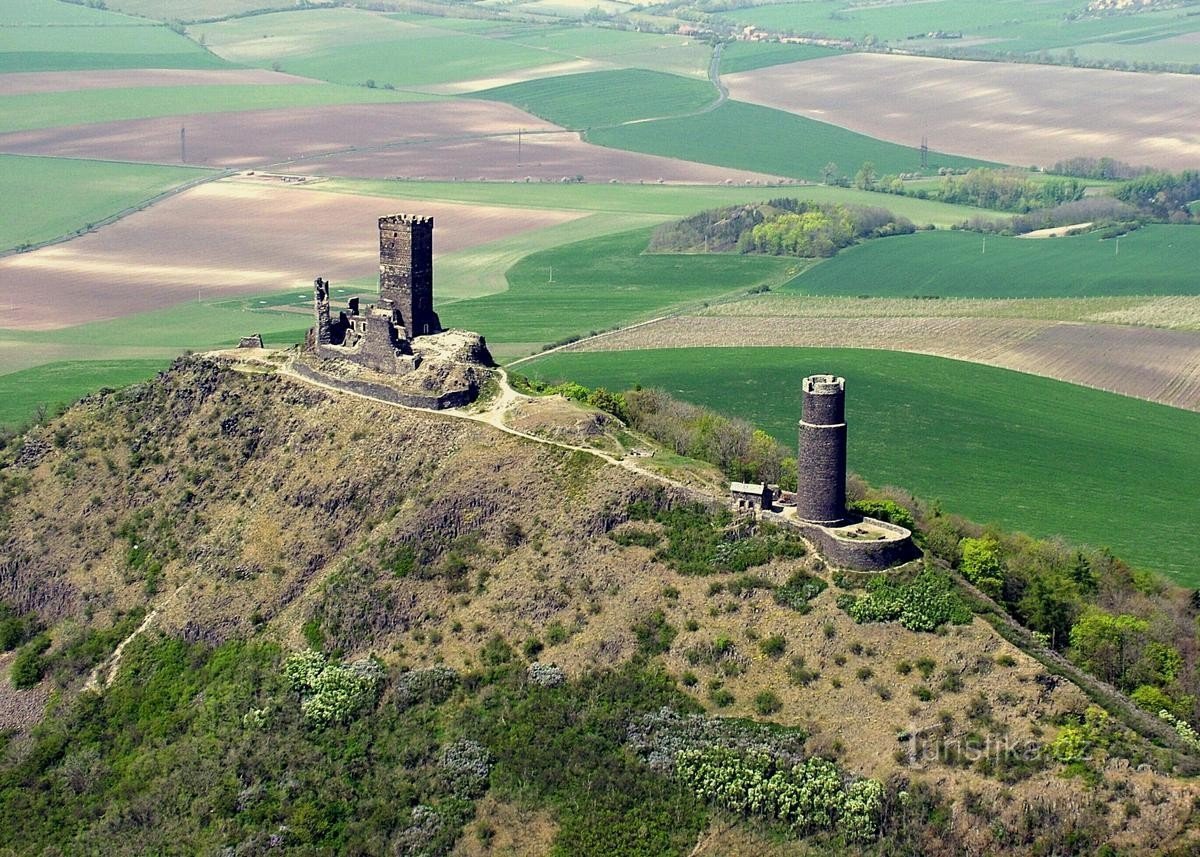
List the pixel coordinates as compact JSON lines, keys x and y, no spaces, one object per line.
{"x":748,"y":496}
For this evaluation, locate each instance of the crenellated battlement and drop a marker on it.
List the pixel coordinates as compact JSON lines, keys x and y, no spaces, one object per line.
{"x":405,"y":221}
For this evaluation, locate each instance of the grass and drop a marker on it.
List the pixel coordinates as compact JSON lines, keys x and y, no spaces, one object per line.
{"x":665,"y":200}
{"x":1025,"y":452}
{"x":598,"y":284}
{"x":58,"y":384}
{"x":747,"y":56}
{"x":1154,"y":260}
{"x":781,"y":144}
{"x":54,"y":109}
{"x":73,"y":193}
{"x":353,"y":46}
{"x":602,"y":98}
{"x":16,"y":13}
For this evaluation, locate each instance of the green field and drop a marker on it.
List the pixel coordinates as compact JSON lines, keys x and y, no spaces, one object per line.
{"x":52,"y":109}
{"x":1154,"y":260}
{"x":1000,"y":27}
{"x":602,"y":98}
{"x":747,"y":56}
{"x":665,"y":200}
{"x":998,"y":446}
{"x":72,"y":193}
{"x":57,"y":384}
{"x":781,"y":144}
{"x":46,"y":35}
{"x":600,"y":283}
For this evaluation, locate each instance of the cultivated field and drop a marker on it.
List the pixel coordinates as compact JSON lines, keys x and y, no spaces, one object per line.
{"x":71,"y":194}
{"x":781,"y":143}
{"x":1017,"y":114}
{"x":1026,"y":452}
{"x":26,"y":83}
{"x":1154,"y":260}
{"x":1146,"y":363}
{"x":226,"y":238}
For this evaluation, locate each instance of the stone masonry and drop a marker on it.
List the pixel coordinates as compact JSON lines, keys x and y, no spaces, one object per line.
{"x":821,"y":476}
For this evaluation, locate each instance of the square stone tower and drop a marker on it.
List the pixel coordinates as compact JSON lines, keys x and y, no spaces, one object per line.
{"x":406,"y":272}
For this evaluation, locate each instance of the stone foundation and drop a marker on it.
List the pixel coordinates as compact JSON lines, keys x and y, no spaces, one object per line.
{"x":855,"y":554}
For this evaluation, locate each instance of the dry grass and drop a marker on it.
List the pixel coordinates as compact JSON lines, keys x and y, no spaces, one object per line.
{"x":229,"y":238}
{"x":1146,"y":363}
{"x":1005,"y":112}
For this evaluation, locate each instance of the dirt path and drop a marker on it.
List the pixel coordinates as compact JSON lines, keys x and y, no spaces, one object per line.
{"x":112,"y":663}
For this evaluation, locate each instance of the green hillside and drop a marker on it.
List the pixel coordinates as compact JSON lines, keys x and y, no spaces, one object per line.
{"x":1025,"y":452}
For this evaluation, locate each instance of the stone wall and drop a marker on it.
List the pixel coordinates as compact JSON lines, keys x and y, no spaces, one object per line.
{"x":853,"y":554}
{"x":406,"y":271}
{"x":449,"y":399}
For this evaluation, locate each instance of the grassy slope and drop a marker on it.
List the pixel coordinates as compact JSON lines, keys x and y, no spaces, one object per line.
{"x":52,"y":109}
{"x":596,"y":99}
{"x":72,"y":193}
{"x":1157,"y":260}
{"x":600,"y":283}
{"x":1026,"y":452}
{"x":57,"y":384}
{"x":781,"y":143}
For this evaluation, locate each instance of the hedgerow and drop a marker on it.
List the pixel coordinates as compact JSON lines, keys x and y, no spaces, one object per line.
{"x":924,"y":604}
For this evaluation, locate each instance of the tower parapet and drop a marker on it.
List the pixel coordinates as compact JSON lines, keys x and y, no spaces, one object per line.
{"x":821,"y":459}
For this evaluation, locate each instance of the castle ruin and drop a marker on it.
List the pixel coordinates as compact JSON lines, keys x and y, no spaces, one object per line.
{"x":818,"y":508}
{"x":380,"y":336}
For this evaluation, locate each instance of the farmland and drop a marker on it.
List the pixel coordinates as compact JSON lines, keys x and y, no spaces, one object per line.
{"x":1025,"y":452}
{"x":55,"y":109}
{"x":1018,"y":114}
{"x":223,"y":239}
{"x":1154,"y":260}
{"x":84,"y":192}
{"x":747,"y":56}
{"x":783,"y":143}
{"x":1002,"y":28}
{"x":599,"y":283}
{"x":598,"y":99}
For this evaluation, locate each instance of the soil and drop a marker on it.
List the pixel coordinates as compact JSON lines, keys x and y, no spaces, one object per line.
{"x":31,"y":82}
{"x":1005,"y":112}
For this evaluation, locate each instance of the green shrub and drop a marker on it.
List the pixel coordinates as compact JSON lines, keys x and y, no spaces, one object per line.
{"x":884,"y":510}
{"x":800,"y":674}
{"x":773,"y":646}
{"x":924,"y":604}
{"x":800,"y":589}
{"x":767,"y":703}
{"x":28,"y":666}
{"x":654,"y":634}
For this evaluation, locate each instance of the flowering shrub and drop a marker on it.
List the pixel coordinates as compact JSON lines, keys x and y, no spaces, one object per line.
{"x":924,"y":604}
{"x":466,"y":766}
{"x":421,"y":833}
{"x":660,"y":736}
{"x":1182,"y":728}
{"x":806,"y":796}
{"x":332,"y":692}
{"x":433,"y":685}
{"x":545,"y":675}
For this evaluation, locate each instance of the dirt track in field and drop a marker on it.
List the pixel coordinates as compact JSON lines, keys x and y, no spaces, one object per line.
{"x":225,"y":239}
{"x":1006,"y":112}
{"x":458,"y":139}
{"x":1146,"y":363}
{"x":32,"y":82}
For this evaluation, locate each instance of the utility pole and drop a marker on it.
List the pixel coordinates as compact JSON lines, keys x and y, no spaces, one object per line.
{"x":924,"y":153}
{"x":182,"y":144}
{"x":519,"y":130}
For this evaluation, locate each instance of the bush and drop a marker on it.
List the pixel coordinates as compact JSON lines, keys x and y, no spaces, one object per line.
{"x":28,"y":666}
{"x":654,"y":635}
{"x":330,"y":692}
{"x":799,"y":589}
{"x":800,"y":674}
{"x":925,"y":604}
{"x":773,"y":646}
{"x":766,"y":703}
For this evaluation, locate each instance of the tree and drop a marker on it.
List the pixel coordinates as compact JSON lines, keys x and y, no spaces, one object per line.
{"x":982,"y":564}
{"x":865,"y":178}
{"x":829,"y":171}
{"x":1108,"y":645}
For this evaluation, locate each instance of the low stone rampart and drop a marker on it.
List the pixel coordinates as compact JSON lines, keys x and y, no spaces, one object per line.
{"x":449,"y":399}
{"x":856,"y":554}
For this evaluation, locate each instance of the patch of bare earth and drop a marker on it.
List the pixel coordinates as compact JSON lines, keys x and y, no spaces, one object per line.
{"x":502,"y":828}
{"x":436,"y":140}
{"x":1146,"y":363}
{"x":33,"y":82}
{"x":1006,"y":112}
{"x":224,"y":239}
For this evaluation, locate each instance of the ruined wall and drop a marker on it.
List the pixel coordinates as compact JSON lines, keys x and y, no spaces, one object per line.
{"x":449,"y":399}
{"x":406,"y":271}
{"x":321,"y":311}
{"x":821,"y":458}
{"x":853,"y":554}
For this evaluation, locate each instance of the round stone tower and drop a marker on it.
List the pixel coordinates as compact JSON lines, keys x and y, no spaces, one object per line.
{"x":821,"y":462}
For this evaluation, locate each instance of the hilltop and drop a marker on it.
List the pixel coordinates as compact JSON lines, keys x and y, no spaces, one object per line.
{"x":502,"y":620}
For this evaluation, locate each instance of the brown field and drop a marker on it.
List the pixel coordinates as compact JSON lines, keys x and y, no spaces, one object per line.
{"x":224,"y":239}
{"x":1006,"y":112}
{"x":262,"y":137}
{"x":1146,"y":363}
{"x":32,"y":82}
{"x":544,"y":157}
{"x":446,"y":140}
